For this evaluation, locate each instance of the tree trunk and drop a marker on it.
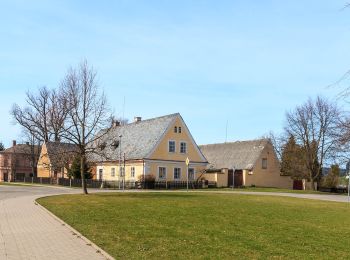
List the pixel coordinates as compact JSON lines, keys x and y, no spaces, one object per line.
{"x":313,"y":184}
{"x":82,"y":173}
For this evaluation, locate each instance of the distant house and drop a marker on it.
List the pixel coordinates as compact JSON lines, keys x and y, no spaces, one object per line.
{"x":252,"y":163}
{"x":156,"y":147}
{"x":55,"y":159}
{"x":18,"y":161}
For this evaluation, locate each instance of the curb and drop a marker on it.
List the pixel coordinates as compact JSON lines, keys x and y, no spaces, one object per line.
{"x":75,"y":232}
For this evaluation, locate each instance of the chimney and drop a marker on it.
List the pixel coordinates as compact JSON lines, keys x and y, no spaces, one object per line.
{"x":115,"y":123}
{"x":137,"y":119}
{"x":14,"y":143}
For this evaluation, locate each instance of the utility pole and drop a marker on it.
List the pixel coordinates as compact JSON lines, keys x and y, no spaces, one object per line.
{"x":233,"y":177}
{"x":348,"y":177}
{"x":124,"y":173}
{"x":120,"y":159}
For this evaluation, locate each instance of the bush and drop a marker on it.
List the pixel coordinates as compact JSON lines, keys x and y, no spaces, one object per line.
{"x":148,"y":181}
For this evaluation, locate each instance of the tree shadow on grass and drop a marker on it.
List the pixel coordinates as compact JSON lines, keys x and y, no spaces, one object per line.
{"x":148,"y":195}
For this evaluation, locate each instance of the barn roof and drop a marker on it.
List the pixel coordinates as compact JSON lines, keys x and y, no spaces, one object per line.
{"x":138,"y":139}
{"x":241,"y":154}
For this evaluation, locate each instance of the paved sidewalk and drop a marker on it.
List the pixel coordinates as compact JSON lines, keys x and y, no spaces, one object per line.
{"x":324,"y":197}
{"x":27,"y":231}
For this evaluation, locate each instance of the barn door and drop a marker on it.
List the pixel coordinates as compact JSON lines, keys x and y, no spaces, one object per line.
{"x":238,"y":178}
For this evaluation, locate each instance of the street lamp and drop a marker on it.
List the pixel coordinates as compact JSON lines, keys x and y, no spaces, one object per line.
{"x":233,"y":176}
{"x":187,"y":164}
{"x":120,"y":159}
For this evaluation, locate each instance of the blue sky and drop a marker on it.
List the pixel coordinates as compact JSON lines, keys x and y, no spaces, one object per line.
{"x":245,"y":62}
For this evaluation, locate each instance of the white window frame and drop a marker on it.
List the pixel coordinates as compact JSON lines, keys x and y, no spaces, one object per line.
{"x":164,"y":178}
{"x":112,"y":172}
{"x":180,"y":170}
{"x":132,"y":172}
{"x":194,"y":173}
{"x":174,"y":146}
{"x":183,"y":142}
{"x":121,"y":172}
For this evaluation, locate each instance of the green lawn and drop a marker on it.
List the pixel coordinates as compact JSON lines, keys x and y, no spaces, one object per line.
{"x":207,"y":226}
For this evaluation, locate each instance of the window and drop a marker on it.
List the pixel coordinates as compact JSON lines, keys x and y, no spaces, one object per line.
{"x":132,"y":172}
{"x":162,"y":173}
{"x":177,"y":173}
{"x":179,"y":129}
{"x":191,"y":174}
{"x":171,"y":146}
{"x":183,"y":147}
{"x":100,"y":174}
{"x":121,"y":172}
{"x":175,"y":129}
{"x":264,"y":163}
{"x":112,"y":172}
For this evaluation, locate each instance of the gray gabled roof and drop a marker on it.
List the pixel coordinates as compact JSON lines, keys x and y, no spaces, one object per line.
{"x":22,"y":149}
{"x":61,"y":154}
{"x":241,"y":154}
{"x":137,"y":142}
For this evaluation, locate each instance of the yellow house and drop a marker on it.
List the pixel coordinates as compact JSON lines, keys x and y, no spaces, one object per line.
{"x":55,"y":159}
{"x":245,"y":163}
{"x":155,"y":147}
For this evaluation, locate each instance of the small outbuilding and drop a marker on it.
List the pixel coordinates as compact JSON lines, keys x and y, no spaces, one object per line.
{"x":244,"y":163}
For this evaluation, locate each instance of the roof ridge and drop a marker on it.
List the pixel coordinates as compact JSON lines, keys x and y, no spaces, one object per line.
{"x":238,"y":141}
{"x":154,"y":118}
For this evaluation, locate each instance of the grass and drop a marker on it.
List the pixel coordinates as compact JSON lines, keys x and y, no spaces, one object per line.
{"x":207,"y":226}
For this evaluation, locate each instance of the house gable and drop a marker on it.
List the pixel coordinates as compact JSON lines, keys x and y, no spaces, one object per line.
{"x":269,"y":154}
{"x":182,"y":134}
{"x":43,"y":162}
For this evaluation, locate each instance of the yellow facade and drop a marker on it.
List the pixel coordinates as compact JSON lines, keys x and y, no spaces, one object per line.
{"x":269,"y":177}
{"x":221,"y":178}
{"x":258,"y":175}
{"x":161,"y":157}
{"x":111,"y":171}
{"x":44,"y":168}
{"x":162,"y":152}
{"x":43,"y":163}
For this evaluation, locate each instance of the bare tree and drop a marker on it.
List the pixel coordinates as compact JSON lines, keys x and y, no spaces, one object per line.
{"x":278,"y":142}
{"x":315,"y":126}
{"x":44,"y":115}
{"x":34,"y":145}
{"x":87,"y":112}
{"x":57,"y":114}
{"x":34,"y":118}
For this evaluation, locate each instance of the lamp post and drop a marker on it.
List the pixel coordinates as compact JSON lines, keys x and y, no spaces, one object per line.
{"x":233,"y":176}
{"x":124,"y":172}
{"x":348,"y":186}
{"x":187,"y":164}
{"x":120,"y":159}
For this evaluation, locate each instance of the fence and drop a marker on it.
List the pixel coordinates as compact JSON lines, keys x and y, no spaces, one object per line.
{"x":118,"y":185}
{"x":334,"y":190}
